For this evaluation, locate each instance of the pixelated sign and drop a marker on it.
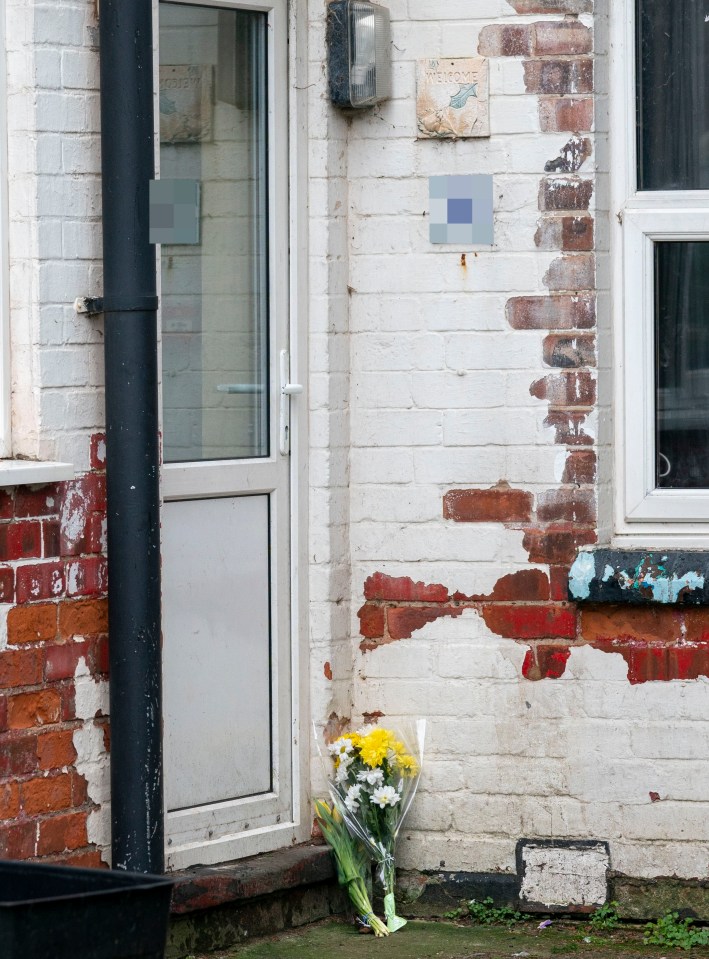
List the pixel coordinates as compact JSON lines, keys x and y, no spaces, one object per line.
{"x":174,"y":211}
{"x":461,"y":209}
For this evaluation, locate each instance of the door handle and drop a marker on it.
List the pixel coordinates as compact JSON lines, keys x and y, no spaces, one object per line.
{"x":288,"y":389}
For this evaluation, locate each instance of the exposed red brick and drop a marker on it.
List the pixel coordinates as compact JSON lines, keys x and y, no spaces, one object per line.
{"x":95,"y":533}
{"x":556,"y":546}
{"x":572,"y":114}
{"x":79,"y":789}
{"x":85,"y":859}
{"x":98,"y":451}
{"x":20,"y":667}
{"x":327,"y":671}
{"x":61,"y":660}
{"x":85,"y":617}
{"x":18,"y":755}
{"x":68,"y":702}
{"x":569,"y":428}
{"x":36,"y":502}
{"x":31,"y":624}
{"x":87,"y":576}
{"x":573,"y":271}
{"x":7,"y":584}
{"x":580,"y":467}
{"x":559,"y":583}
{"x":25,"y":710}
{"x":402,"y":621}
{"x":572,"y":389}
{"x":552,"y":6}
{"x":688,"y":662}
{"x":696,"y":622}
{"x":101,"y":655}
{"x":369,"y":719}
{"x":558,"y":312}
{"x":403,"y":589}
{"x":567,"y":504}
{"x":501,"y":40}
{"x":51,"y":539}
{"x":569,"y":351}
{"x":545,"y":662}
{"x":572,"y":234}
{"x":6,"y":504}
{"x":612,"y":626}
{"x":526,"y":584}
{"x":518,"y":621}
{"x":80,"y":498}
{"x":40,"y":581}
{"x":62,"y":833}
{"x":56,"y":749}
{"x":47,"y":794}
{"x":565,"y":193}
{"x":20,"y":540}
{"x":500,"y":504}
{"x":562,"y":38}
{"x":18,"y":840}
{"x":371,"y":621}
{"x":9,"y":800}
{"x":559,"y":77}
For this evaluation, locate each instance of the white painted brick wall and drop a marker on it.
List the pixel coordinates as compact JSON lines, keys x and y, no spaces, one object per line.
{"x":54,"y":227}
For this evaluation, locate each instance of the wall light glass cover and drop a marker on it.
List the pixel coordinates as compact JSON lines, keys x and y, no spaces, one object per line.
{"x":359,"y":53}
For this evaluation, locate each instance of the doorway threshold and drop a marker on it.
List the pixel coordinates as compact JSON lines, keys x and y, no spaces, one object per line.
{"x":215,"y":907}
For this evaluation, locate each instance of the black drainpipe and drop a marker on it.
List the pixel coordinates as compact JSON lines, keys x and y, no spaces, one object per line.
{"x":132,"y":447}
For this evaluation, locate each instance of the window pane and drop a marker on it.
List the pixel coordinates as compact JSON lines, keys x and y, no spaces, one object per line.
{"x":673,"y":95}
{"x":214,"y":254}
{"x":682,"y":364}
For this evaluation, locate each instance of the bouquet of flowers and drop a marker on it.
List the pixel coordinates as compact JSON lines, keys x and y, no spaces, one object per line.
{"x":376,"y":773}
{"x":352,"y":864}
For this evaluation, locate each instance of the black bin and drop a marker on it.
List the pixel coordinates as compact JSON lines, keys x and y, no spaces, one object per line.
{"x":59,"y":912}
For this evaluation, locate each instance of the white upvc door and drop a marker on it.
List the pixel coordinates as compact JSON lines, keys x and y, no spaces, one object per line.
{"x":229,"y":716}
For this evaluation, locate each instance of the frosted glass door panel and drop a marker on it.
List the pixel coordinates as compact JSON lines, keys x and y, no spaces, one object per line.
{"x":217,"y":673}
{"x":214,"y":279}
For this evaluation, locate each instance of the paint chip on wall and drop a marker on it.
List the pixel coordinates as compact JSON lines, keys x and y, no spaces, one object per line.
{"x":461,"y":209}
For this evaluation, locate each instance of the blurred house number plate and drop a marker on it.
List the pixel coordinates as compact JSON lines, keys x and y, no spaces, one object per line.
{"x":452,"y":100}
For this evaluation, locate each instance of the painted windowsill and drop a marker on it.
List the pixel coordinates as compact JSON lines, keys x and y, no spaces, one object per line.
{"x":32,"y":472}
{"x":640,"y":577}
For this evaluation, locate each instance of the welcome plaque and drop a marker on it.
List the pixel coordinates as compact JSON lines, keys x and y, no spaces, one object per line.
{"x":452,"y":100}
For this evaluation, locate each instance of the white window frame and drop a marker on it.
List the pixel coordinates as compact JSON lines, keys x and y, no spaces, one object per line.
{"x":644,"y":514}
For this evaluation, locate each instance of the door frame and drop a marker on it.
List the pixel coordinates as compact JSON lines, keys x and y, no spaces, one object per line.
{"x":298,"y":828}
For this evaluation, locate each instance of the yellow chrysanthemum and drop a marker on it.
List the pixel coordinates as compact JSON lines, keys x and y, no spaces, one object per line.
{"x":407,"y":764}
{"x":375,"y":746}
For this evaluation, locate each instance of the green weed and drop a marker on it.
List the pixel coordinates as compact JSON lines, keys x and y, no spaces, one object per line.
{"x":605,"y":917}
{"x":486,"y":913}
{"x":672,"y":931}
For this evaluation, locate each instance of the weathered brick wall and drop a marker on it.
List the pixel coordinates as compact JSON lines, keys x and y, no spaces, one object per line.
{"x":53,"y":644}
{"x":479,"y":413}
{"x":53,"y":665}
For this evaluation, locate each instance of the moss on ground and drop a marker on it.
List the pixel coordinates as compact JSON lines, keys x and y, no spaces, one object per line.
{"x":450,"y":940}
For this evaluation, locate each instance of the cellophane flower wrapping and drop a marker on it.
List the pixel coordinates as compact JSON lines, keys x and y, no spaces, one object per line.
{"x":375,"y":773}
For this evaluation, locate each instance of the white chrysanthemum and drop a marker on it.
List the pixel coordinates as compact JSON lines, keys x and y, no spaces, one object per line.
{"x":373,"y":777}
{"x":341,"y":747}
{"x":385,"y":796}
{"x":343,"y":770}
{"x":352,"y":798}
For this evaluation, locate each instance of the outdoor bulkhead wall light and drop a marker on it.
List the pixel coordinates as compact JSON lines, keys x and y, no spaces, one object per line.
{"x":359,"y":55}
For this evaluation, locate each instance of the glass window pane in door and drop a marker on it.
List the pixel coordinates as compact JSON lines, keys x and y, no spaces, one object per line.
{"x":214,"y":267}
{"x":673,"y":94}
{"x":682,"y":364}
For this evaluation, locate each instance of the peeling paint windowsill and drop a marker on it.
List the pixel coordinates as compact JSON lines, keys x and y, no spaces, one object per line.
{"x":33,"y":473}
{"x":640,"y":577}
